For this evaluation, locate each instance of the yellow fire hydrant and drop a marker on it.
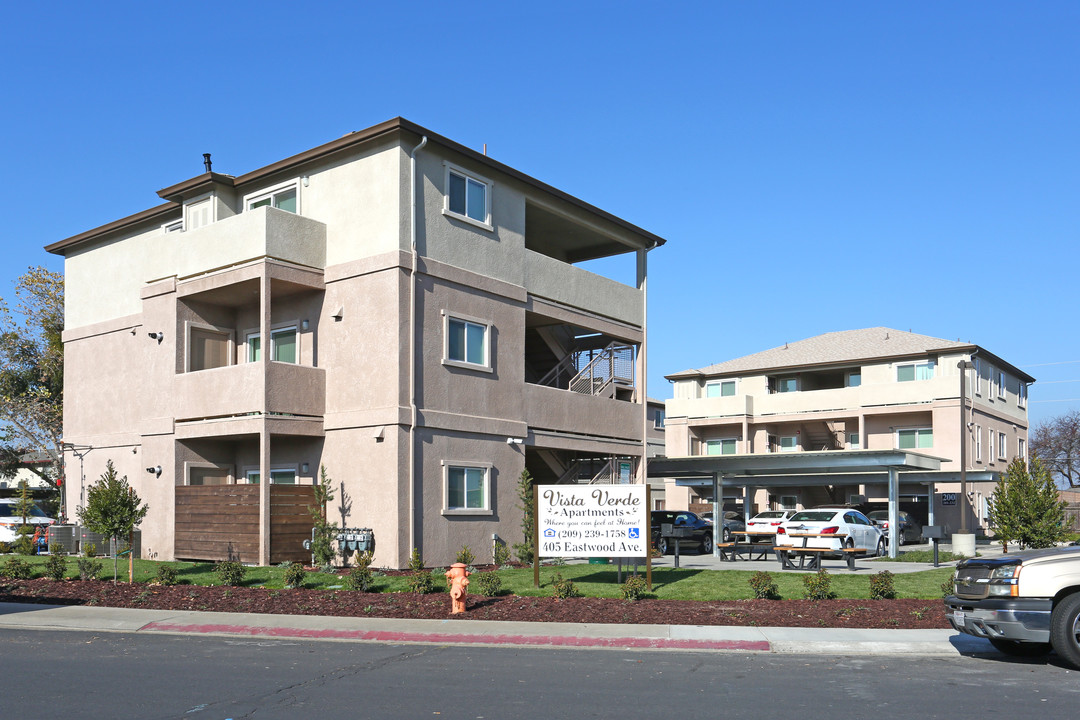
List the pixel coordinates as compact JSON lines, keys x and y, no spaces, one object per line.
{"x":458,"y":577}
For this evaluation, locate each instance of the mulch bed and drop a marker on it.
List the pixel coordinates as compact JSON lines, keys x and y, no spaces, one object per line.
{"x":888,"y":614}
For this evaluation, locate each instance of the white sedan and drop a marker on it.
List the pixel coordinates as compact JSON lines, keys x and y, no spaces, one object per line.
{"x":768,"y":520}
{"x":848,"y":528}
{"x":10,"y":520}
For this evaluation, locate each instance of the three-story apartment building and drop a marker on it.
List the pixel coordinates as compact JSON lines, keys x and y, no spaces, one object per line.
{"x":393,"y":306}
{"x":872,"y":389}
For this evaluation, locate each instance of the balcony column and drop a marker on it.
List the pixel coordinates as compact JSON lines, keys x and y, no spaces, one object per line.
{"x":264,"y":431}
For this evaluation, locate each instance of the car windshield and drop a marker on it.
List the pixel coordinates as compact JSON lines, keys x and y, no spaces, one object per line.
{"x":770,"y":515}
{"x":11,"y":510}
{"x":879,"y":515}
{"x":813,"y":516}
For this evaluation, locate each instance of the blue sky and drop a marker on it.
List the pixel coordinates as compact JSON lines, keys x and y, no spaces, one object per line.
{"x":814,"y":166}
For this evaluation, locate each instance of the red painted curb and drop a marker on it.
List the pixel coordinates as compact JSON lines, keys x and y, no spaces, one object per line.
{"x":460,"y":638}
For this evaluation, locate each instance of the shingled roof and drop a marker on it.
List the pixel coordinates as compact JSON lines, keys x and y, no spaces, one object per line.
{"x":836,"y":348}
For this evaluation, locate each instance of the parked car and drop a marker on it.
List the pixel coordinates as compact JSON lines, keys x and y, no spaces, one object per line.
{"x":769,"y":520}
{"x":10,"y":520}
{"x":857,"y":530}
{"x":701,"y":530}
{"x":732,"y":523}
{"x":910,"y":528}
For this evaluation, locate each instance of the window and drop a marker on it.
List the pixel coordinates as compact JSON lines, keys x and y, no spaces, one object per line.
{"x":789,"y":443}
{"x":914,"y":438}
{"x":854,"y":441}
{"x":1021,"y":396}
{"x":468,"y":197}
{"x":658,"y":419}
{"x":989,"y":445}
{"x":1021,"y":448}
{"x":199,"y":213}
{"x":283,"y":197}
{"x":174,"y":226}
{"x":721,"y":446}
{"x":720,"y":388}
{"x":466,"y":489}
{"x":281,"y":476}
{"x":789,"y":384}
{"x":282,"y":345}
{"x":208,"y":348}
{"x":1001,"y":446}
{"x":789,"y":502}
{"x":978,"y":443}
{"x":209,"y":475}
{"x":466,"y":343}
{"x":1000,"y":385}
{"x":915,"y":371}
{"x":854,"y":378}
{"x":978,"y":377}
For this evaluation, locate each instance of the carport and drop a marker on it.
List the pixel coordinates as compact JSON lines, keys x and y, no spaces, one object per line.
{"x":830,"y":467}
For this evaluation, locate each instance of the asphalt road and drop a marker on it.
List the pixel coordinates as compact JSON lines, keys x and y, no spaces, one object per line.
{"x":116,"y":675}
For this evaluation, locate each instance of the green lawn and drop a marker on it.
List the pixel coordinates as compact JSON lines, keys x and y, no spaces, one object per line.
{"x":591,"y":580}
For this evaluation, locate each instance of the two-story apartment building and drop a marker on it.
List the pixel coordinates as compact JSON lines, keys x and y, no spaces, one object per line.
{"x":870,"y":389}
{"x":393,"y":306}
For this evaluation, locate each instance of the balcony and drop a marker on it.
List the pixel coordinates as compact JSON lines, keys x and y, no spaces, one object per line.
{"x":238,"y":390}
{"x":563,"y":283}
{"x":554,"y":409}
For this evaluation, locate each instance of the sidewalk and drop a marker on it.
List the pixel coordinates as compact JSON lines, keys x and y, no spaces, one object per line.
{"x":842,"y":641}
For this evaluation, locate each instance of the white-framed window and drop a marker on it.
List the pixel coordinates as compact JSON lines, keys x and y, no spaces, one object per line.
{"x":1001,"y":446}
{"x":789,"y":443}
{"x":278,"y":476}
{"x":208,"y":347}
{"x":1021,"y":448}
{"x":659,"y":418}
{"x":284,"y":345}
{"x":466,"y":489}
{"x":721,"y":446}
{"x":991,"y":391}
{"x":1000,"y":385}
{"x":199,"y":212}
{"x":1021,"y":396}
{"x":720,"y":388}
{"x":285,"y":196}
{"x":854,"y":441}
{"x":207,"y":474}
{"x":174,"y":226}
{"x":468,"y":197}
{"x":789,"y":502}
{"x":787,"y":384}
{"x":978,"y":443}
{"x":914,"y":438}
{"x":990,"y":445}
{"x":854,"y":378}
{"x":466,"y":342}
{"x":909,"y":372}
{"x":977,"y":383}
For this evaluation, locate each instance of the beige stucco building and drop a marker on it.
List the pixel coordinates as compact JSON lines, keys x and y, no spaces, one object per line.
{"x":429,"y":338}
{"x":871,"y":389}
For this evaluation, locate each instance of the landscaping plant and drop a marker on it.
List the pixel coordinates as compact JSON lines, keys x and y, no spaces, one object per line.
{"x":165,"y":575}
{"x":881,"y":586}
{"x":488,"y":584}
{"x":56,"y":565}
{"x":634,"y":588}
{"x":323,"y":531}
{"x":24,"y":545}
{"x":294,"y":575}
{"x":525,"y":550}
{"x":563,"y":587}
{"x":764,"y":586}
{"x":89,"y":568}
{"x":16,"y":569}
{"x":1025,"y":506}
{"x":465,"y":555}
{"x":501,"y":554}
{"x":230,"y":572}
{"x":818,"y":586}
{"x":361,"y":576}
{"x":421,"y":581}
{"x":112,"y":508}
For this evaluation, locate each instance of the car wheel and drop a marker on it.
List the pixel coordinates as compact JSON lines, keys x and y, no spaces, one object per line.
{"x":848,"y":544}
{"x":881,"y":550}
{"x":1065,"y":629}
{"x":726,"y":535}
{"x":662,"y":546}
{"x":706,"y":544}
{"x":1016,"y":648}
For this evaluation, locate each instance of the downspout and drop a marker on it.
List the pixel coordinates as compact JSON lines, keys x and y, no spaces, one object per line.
{"x":412,"y":343}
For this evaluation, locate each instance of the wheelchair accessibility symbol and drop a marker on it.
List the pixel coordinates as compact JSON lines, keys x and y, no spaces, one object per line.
{"x":635,"y":533}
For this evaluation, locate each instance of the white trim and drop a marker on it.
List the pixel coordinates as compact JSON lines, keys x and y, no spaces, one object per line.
{"x":1000,"y":382}
{"x":271,"y":191}
{"x":1022,"y":395}
{"x":489,"y":187}
{"x":447,"y":360}
{"x":446,"y":467}
{"x":978,"y":377}
{"x":1002,"y":442}
{"x":720,"y":383}
{"x":978,"y":443}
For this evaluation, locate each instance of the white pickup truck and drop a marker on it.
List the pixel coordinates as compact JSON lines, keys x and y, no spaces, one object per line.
{"x":1024,"y":603}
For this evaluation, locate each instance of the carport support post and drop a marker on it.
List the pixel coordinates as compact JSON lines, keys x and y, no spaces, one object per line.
{"x":894,"y":515}
{"x":717,"y":512}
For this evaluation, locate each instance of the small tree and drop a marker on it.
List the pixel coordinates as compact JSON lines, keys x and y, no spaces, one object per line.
{"x":112,"y":509}
{"x":322,"y":541}
{"x":23,"y":508}
{"x":525,"y":550}
{"x":1025,"y":506}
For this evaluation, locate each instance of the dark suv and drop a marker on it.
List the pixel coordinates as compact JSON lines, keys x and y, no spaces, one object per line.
{"x":700,"y":536}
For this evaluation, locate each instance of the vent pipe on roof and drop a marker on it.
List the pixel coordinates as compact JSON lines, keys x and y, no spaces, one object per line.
{"x":206,"y":161}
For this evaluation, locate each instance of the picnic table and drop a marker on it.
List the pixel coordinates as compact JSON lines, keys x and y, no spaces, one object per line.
{"x":785,"y":553}
{"x":732,"y":550}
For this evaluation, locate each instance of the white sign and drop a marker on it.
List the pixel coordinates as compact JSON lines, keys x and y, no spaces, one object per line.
{"x":592,"y":521}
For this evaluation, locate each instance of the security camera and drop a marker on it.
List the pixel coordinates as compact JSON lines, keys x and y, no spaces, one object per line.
{"x":156,"y":470}
{"x":159,"y":336}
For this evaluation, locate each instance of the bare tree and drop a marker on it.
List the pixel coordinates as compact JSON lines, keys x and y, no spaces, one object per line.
{"x":1057,"y":443}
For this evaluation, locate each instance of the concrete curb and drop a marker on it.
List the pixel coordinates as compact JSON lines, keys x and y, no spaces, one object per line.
{"x":800,"y":641}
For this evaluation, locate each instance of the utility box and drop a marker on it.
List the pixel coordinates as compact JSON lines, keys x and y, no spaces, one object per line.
{"x":103,"y":545}
{"x":933,"y":532}
{"x":351,"y":540}
{"x":66,"y":536}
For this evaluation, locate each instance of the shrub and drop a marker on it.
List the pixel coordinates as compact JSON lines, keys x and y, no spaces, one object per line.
{"x":947,"y":586}
{"x":487,"y":583}
{"x":563,"y":587}
{"x":16,"y":569}
{"x":89,"y":550}
{"x":818,"y":586}
{"x":764,"y":586}
{"x":501,"y":554}
{"x":166,"y":575}
{"x":25,"y":544}
{"x":5,"y":548}
{"x":89,"y":568}
{"x":634,"y":588}
{"x":324,"y":532}
{"x":422,"y":581}
{"x":230,"y":572}
{"x":294,"y":575}
{"x":527,"y":498}
{"x":465,"y":555}
{"x":361,"y":576}
{"x":56,"y":565}
{"x":881,"y":586}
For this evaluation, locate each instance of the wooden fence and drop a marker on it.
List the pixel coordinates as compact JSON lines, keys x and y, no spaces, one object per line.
{"x":221,"y":522}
